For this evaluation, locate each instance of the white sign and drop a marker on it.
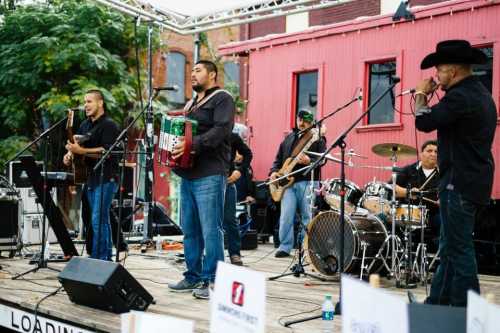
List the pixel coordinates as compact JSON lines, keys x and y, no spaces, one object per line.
{"x":22,"y":321}
{"x":371,"y":310}
{"x":482,"y":316}
{"x":141,"y":322}
{"x":238,"y":303}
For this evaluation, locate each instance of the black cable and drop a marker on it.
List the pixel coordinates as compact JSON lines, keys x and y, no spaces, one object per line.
{"x":261,"y":258}
{"x":41,"y":300}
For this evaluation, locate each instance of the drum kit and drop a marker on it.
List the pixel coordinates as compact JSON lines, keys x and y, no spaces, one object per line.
{"x":378,"y":229}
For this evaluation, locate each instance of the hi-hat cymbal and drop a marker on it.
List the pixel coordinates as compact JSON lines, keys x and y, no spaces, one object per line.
{"x":390,"y":149}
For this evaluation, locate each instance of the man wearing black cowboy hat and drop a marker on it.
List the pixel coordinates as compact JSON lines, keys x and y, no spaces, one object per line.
{"x":465,"y":120}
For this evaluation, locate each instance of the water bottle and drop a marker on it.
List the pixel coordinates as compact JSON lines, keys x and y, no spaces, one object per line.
{"x":46,"y":253}
{"x":327,"y":310}
{"x":159,"y":244}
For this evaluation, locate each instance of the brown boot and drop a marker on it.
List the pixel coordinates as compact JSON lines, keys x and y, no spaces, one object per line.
{"x":236,"y":260}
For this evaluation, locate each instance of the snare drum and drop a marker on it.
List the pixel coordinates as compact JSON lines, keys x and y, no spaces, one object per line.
{"x":331,"y":194}
{"x":410,"y":214}
{"x":377,"y":198}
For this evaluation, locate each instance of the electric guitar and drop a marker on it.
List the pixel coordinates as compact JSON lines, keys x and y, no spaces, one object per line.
{"x":79,"y":168}
{"x":278,"y":188}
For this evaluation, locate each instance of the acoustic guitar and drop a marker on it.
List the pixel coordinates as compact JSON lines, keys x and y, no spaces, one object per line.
{"x":79,"y":168}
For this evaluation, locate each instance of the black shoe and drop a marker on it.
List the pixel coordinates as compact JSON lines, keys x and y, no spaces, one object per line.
{"x":411,"y":297}
{"x":281,"y":254}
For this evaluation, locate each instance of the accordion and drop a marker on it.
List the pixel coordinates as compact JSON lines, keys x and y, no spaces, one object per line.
{"x":175,"y":128}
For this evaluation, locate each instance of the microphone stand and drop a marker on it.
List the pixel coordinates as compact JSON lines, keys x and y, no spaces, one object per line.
{"x":42,"y":261}
{"x":121,"y":137}
{"x":340,"y":142}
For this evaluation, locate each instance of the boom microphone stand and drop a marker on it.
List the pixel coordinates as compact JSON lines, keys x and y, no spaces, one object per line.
{"x":42,"y":261}
{"x":105,"y":155}
{"x":340,"y":142}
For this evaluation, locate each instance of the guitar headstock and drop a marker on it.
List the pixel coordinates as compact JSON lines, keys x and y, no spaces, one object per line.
{"x":71,"y":117}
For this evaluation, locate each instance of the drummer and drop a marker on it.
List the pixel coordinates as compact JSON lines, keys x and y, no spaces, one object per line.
{"x":422,"y":176}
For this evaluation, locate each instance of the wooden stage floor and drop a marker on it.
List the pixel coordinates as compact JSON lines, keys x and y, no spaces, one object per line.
{"x":287,"y":298}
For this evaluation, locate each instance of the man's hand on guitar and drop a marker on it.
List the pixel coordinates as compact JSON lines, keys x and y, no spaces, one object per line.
{"x":74,"y":148}
{"x":68,"y":158}
{"x":179,"y":149}
{"x":274,"y":175}
{"x":235,"y":175}
{"x":303,"y":159}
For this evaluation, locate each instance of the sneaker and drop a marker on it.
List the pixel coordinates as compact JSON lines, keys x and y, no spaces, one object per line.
{"x":281,"y":254}
{"x":236,"y":260}
{"x":184,"y":286}
{"x":203,"y":292}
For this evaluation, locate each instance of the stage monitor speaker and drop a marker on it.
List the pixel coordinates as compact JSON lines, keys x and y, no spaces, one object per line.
{"x":104,"y":285}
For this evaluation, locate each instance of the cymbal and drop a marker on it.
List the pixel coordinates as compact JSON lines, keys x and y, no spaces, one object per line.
{"x":398,"y":149}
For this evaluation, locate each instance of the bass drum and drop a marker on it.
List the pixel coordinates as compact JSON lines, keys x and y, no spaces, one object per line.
{"x":322,"y":242}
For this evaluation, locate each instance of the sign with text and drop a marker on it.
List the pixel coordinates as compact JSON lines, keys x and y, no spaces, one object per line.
{"x":238,"y":302}
{"x":23,"y":321}
{"x":482,"y":316}
{"x":370,"y":310}
{"x":141,"y":322}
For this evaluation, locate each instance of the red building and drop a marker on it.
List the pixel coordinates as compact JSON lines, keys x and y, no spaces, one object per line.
{"x":323,"y":67}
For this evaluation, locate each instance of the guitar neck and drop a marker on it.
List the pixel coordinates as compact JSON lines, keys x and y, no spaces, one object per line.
{"x":295,"y":160}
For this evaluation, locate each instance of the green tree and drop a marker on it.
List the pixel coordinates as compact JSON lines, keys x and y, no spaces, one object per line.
{"x":50,"y":54}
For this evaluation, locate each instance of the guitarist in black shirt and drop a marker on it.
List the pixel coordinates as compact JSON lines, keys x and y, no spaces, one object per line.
{"x":295,"y":195}
{"x":102,"y":132}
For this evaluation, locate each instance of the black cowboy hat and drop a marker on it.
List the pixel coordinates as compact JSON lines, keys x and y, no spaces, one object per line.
{"x":453,"y":52}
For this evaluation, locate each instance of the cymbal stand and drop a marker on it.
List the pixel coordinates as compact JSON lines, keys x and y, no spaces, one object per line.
{"x":394,"y":175}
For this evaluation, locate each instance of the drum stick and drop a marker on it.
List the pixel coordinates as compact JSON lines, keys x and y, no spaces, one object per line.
{"x":431,"y":201}
{"x":428,"y":180}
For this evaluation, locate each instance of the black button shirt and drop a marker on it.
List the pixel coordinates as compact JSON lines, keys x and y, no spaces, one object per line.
{"x":211,"y":144}
{"x":465,"y":120}
{"x":102,"y":133}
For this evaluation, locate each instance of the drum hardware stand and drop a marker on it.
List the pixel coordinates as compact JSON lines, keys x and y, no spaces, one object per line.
{"x":364,"y":268}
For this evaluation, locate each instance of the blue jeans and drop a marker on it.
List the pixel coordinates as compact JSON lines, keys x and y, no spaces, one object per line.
{"x":457,"y":272}
{"x":295,"y":197}
{"x":101,"y":229}
{"x":202,"y":209}
{"x":231,"y":223}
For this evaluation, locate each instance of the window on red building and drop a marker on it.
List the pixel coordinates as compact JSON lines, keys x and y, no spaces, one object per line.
{"x":485,"y":72}
{"x":232,"y":75}
{"x":176,"y":76}
{"x":379,"y":79}
{"x":306,"y":91}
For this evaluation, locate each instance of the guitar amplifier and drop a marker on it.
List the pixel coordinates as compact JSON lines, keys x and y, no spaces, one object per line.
{"x":31,"y":204}
{"x":104,"y":285}
{"x":32,"y":229}
{"x":10,"y":210}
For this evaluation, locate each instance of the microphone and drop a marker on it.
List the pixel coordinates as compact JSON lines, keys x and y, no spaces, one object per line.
{"x":77,"y":109}
{"x":167,"y":88}
{"x":406,"y":92}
